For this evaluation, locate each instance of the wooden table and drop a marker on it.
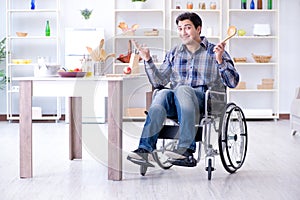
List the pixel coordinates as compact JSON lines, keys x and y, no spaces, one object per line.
{"x":74,"y":89}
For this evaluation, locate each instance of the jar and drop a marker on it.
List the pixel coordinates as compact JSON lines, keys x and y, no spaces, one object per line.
{"x":213,"y":5}
{"x":178,"y":5}
{"x":99,"y":68}
{"x":189,"y":5}
{"x":202,"y":5}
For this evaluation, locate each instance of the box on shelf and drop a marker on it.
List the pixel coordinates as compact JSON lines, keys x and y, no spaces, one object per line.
{"x":135,"y":112}
{"x":267,"y":83}
{"x":241,"y":85}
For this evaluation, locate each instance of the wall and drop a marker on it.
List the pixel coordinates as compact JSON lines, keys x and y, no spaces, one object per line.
{"x":103,"y":17}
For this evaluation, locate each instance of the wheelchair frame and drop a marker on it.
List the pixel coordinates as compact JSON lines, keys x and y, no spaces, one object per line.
{"x":232,"y":137}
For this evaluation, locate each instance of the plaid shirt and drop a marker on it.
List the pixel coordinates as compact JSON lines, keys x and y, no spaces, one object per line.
{"x":198,"y":69}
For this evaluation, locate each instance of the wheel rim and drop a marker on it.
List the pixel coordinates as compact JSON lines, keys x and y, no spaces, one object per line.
{"x":233,"y":139}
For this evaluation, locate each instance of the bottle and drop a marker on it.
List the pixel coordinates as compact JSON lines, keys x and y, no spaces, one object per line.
{"x":47,"y":30}
{"x":243,"y":4}
{"x":252,"y":5}
{"x":259,"y":4}
{"x":32,"y":7}
{"x":270,"y":4}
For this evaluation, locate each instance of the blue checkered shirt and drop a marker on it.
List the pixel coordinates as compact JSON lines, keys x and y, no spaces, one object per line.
{"x":182,"y":67}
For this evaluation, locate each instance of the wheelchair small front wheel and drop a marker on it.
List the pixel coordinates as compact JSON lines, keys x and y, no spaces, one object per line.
{"x":159,"y":155}
{"x":233,"y":138}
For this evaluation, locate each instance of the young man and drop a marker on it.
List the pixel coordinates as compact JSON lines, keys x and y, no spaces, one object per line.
{"x":190,"y":68}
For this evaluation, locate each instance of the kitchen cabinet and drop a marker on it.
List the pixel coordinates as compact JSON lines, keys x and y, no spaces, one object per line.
{"x":258,"y":100}
{"x":151,"y":23}
{"x":23,"y":52}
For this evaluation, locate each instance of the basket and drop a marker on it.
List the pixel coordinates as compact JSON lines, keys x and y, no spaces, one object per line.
{"x":240,"y":60}
{"x":261,"y":59}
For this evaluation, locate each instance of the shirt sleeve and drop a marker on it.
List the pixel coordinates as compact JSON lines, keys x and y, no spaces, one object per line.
{"x":159,"y":76}
{"x":228,"y":73}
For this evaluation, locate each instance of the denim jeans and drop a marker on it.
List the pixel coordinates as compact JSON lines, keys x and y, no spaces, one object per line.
{"x":185,"y":103}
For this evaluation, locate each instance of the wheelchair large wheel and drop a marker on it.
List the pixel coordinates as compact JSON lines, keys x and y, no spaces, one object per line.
{"x":233,"y":138}
{"x":159,"y":155}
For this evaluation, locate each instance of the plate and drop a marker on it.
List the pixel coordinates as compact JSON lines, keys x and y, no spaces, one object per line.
{"x":71,"y":74}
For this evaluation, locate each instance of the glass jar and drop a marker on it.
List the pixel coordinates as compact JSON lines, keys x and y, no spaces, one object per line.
{"x":213,"y":5}
{"x":189,"y":5}
{"x":202,"y":5}
{"x":178,"y":5}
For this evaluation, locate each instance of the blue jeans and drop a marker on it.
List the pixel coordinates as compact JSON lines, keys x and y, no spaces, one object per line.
{"x":185,"y":103}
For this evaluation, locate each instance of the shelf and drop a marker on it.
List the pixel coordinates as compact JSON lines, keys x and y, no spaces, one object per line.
{"x":31,"y":11}
{"x":254,"y":64}
{"x":196,"y":10}
{"x":256,"y":103}
{"x":138,"y":37}
{"x":33,"y":37}
{"x":252,"y":90}
{"x":33,"y":45}
{"x":138,"y":10}
{"x":253,"y":11}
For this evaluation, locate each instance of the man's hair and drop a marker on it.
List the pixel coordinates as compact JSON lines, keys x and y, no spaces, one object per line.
{"x":193,"y":17}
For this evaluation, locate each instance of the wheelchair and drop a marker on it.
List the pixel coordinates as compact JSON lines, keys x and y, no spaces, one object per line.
{"x":228,"y":122}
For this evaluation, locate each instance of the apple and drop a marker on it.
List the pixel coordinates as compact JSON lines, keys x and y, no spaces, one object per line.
{"x":127,"y":70}
{"x":241,"y":32}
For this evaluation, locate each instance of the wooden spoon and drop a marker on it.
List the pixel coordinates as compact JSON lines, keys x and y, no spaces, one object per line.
{"x":230,"y":33}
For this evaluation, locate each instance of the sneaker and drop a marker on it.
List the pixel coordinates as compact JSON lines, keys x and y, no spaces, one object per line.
{"x":182,"y":157}
{"x":140,"y":157}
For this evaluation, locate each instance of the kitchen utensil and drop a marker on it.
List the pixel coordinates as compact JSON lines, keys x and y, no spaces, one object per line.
{"x":230,"y":33}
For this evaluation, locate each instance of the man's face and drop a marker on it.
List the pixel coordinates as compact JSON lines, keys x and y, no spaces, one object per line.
{"x":187,"y":32}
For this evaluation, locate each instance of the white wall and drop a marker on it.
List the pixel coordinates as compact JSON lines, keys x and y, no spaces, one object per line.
{"x":103,"y":17}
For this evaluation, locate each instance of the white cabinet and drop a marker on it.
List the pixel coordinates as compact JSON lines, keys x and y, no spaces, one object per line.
{"x":23,"y":52}
{"x":259,"y":97}
{"x":151,"y":31}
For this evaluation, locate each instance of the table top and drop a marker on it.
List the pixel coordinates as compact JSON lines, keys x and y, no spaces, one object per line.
{"x":109,"y":77}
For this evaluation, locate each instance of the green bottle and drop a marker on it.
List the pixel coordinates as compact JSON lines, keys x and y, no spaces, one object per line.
{"x":243,"y":4}
{"x":47,"y":30}
{"x":270,"y":4}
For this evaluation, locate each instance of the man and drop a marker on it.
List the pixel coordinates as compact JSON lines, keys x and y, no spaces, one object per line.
{"x":190,"y":68}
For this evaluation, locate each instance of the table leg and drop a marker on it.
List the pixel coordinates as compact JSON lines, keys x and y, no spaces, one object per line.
{"x":25,"y":125}
{"x":115,"y":120}
{"x":75,"y":128}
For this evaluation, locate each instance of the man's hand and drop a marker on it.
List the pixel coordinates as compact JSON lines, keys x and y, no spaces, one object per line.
{"x":219,"y":50}
{"x":143,"y":50}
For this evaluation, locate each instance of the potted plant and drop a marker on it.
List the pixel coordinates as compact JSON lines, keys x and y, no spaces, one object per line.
{"x":2,"y":57}
{"x":86,"y":13}
{"x":139,"y":4}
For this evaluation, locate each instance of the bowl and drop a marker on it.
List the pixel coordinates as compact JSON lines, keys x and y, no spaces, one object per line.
{"x":71,"y":74}
{"x":21,"y":34}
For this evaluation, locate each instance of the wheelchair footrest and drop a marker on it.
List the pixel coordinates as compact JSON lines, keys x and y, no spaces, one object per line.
{"x":140,"y":162}
{"x":186,"y":162}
